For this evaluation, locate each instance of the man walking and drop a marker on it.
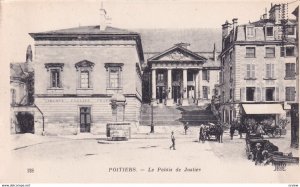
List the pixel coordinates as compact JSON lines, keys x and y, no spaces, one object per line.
{"x":232,"y":129}
{"x":186,"y":127}
{"x":173,"y":141}
{"x":220,"y":129}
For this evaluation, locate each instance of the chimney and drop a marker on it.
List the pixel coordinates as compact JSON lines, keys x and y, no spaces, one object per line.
{"x":103,"y":18}
{"x":265,"y":15}
{"x":215,"y":53}
{"x":274,"y":13}
{"x":226,"y":29}
{"x":234,"y":24}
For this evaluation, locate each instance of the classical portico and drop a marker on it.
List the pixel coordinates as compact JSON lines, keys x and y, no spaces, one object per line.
{"x":176,"y":77}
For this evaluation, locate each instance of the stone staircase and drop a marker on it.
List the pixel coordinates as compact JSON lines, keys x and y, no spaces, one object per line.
{"x":177,"y":115}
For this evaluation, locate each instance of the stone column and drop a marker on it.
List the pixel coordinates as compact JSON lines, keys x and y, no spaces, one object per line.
{"x":154,"y":87}
{"x":185,"y":101}
{"x":196,"y":85}
{"x":199,"y":87}
{"x":169,"y":88}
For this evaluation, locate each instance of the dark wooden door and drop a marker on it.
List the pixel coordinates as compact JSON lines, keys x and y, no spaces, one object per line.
{"x":85,"y":119}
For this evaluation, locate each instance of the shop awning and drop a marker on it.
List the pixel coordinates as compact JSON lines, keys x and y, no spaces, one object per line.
{"x":263,"y":108}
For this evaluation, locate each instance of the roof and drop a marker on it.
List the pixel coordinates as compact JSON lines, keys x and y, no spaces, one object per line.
{"x":263,"y":108}
{"x":94,"y":29}
{"x":18,"y":70}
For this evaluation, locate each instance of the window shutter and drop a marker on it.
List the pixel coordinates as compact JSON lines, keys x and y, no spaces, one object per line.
{"x":273,"y":70}
{"x":267,"y":70}
{"x":293,"y":70}
{"x":253,"y":71}
{"x":248,"y":70}
{"x":263,"y":94}
{"x":277,"y":94}
{"x":243,"y":94}
{"x":292,"y":93}
{"x":208,"y":75}
{"x":258,"y":94}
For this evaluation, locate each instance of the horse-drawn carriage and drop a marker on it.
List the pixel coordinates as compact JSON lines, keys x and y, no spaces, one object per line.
{"x":264,"y":152}
{"x":273,"y":131}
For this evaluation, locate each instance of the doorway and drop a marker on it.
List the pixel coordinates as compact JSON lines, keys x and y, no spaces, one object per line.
{"x":85,"y":119}
{"x":25,"y":122}
{"x":176,"y":93}
{"x":161,"y":93}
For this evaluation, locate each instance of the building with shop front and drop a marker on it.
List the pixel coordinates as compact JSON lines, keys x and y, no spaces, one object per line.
{"x":79,"y":70}
{"x":180,"y":76}
{"x":258,"y":62}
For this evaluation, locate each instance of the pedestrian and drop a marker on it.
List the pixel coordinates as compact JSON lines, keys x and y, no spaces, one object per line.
{"x":202,"y":133}
{"x":232,"y":129}
{"x":260,"y":130}
{"x":258,"y":154}
{"x":220,"y":133}
{"x":186,"y":127}
{"x":173,"y":141}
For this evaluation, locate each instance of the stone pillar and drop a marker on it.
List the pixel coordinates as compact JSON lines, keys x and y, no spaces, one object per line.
{"x":153,"y":101}
{"x":169,"y":88}
{"x":199,"y":87}
{"x":185,"y":101}
{"x":196,"y":85}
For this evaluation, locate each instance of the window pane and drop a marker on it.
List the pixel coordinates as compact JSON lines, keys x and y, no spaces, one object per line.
{"x":289,"y":51}
{"x":55,"y":78}
{"x":84,"y":79}
{"x":270,"y":52}
{"x":114,"y":78}
{"x":269,"y":31}
{"x":250,"y":52}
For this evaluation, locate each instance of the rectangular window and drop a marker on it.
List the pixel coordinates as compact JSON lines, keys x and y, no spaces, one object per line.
{"x":205,"y":75}
{"x":205,"y":92}
{"x":270,"y":94}
{"x":84,"y":79}
{"x":270,"y":52}
{"x":160,"y":77}
{"x":250,"y":93}
{"x":287,"y":51}
{"x":114,"y":77}
{"x":269,"y":31}
{"x":250,"y":31}
{"x":270,"y":71}
{"x":290,"y":93}
{"x":55,"y":78}
{"x":290,"y":31}
{"x":290,"y":70}
{"x":250,"y":52}
{"x":250,"y":71}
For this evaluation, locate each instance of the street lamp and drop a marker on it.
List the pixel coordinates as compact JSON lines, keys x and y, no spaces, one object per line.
{"x":152,"y":125}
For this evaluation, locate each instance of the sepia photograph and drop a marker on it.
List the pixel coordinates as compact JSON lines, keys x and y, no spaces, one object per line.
{"x":149,"y":91}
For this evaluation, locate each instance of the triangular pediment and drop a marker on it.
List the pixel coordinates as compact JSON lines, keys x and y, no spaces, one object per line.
{"x":177,"y":53}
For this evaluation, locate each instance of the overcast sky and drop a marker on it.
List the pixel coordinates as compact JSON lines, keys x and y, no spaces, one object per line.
{"x":18,"y":18}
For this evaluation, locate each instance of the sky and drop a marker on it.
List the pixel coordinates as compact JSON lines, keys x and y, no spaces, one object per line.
{"x":20,"y":17}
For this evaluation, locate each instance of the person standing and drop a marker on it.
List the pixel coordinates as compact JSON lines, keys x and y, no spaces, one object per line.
{"x":173,"y":141}
{"x":232,"y":129}
{"x":220,"y":133}
{"x":186,"y":127}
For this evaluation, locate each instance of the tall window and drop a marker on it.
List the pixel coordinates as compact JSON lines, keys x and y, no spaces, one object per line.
{"x":84,"y":69}
{"x":290,"y":93}
{"x":270,"y":74}
{"x":250,"y":93}
{"x":84,"y":79}
{"x":270,"y":94}
{"x":250,"y":52}
{"x":250,"y":31}
{"x":290,"y":70}
{"x":288,"y":51}
{"x":55,"y":78}
{"x":250,"y":71}
{"x":160,"y":77}
{"x":55,"y":70}
{"x":269,"y":31}
{"x":205,"y":75}
{"x":114,"y":77}
{"x":270,"y":52}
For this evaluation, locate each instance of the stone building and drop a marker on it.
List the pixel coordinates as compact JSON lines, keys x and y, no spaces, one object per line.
{"x":180,"y":76}
{"x":21,"y":90}
{"x":78,"y":70}
{"x":258,"y":62}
